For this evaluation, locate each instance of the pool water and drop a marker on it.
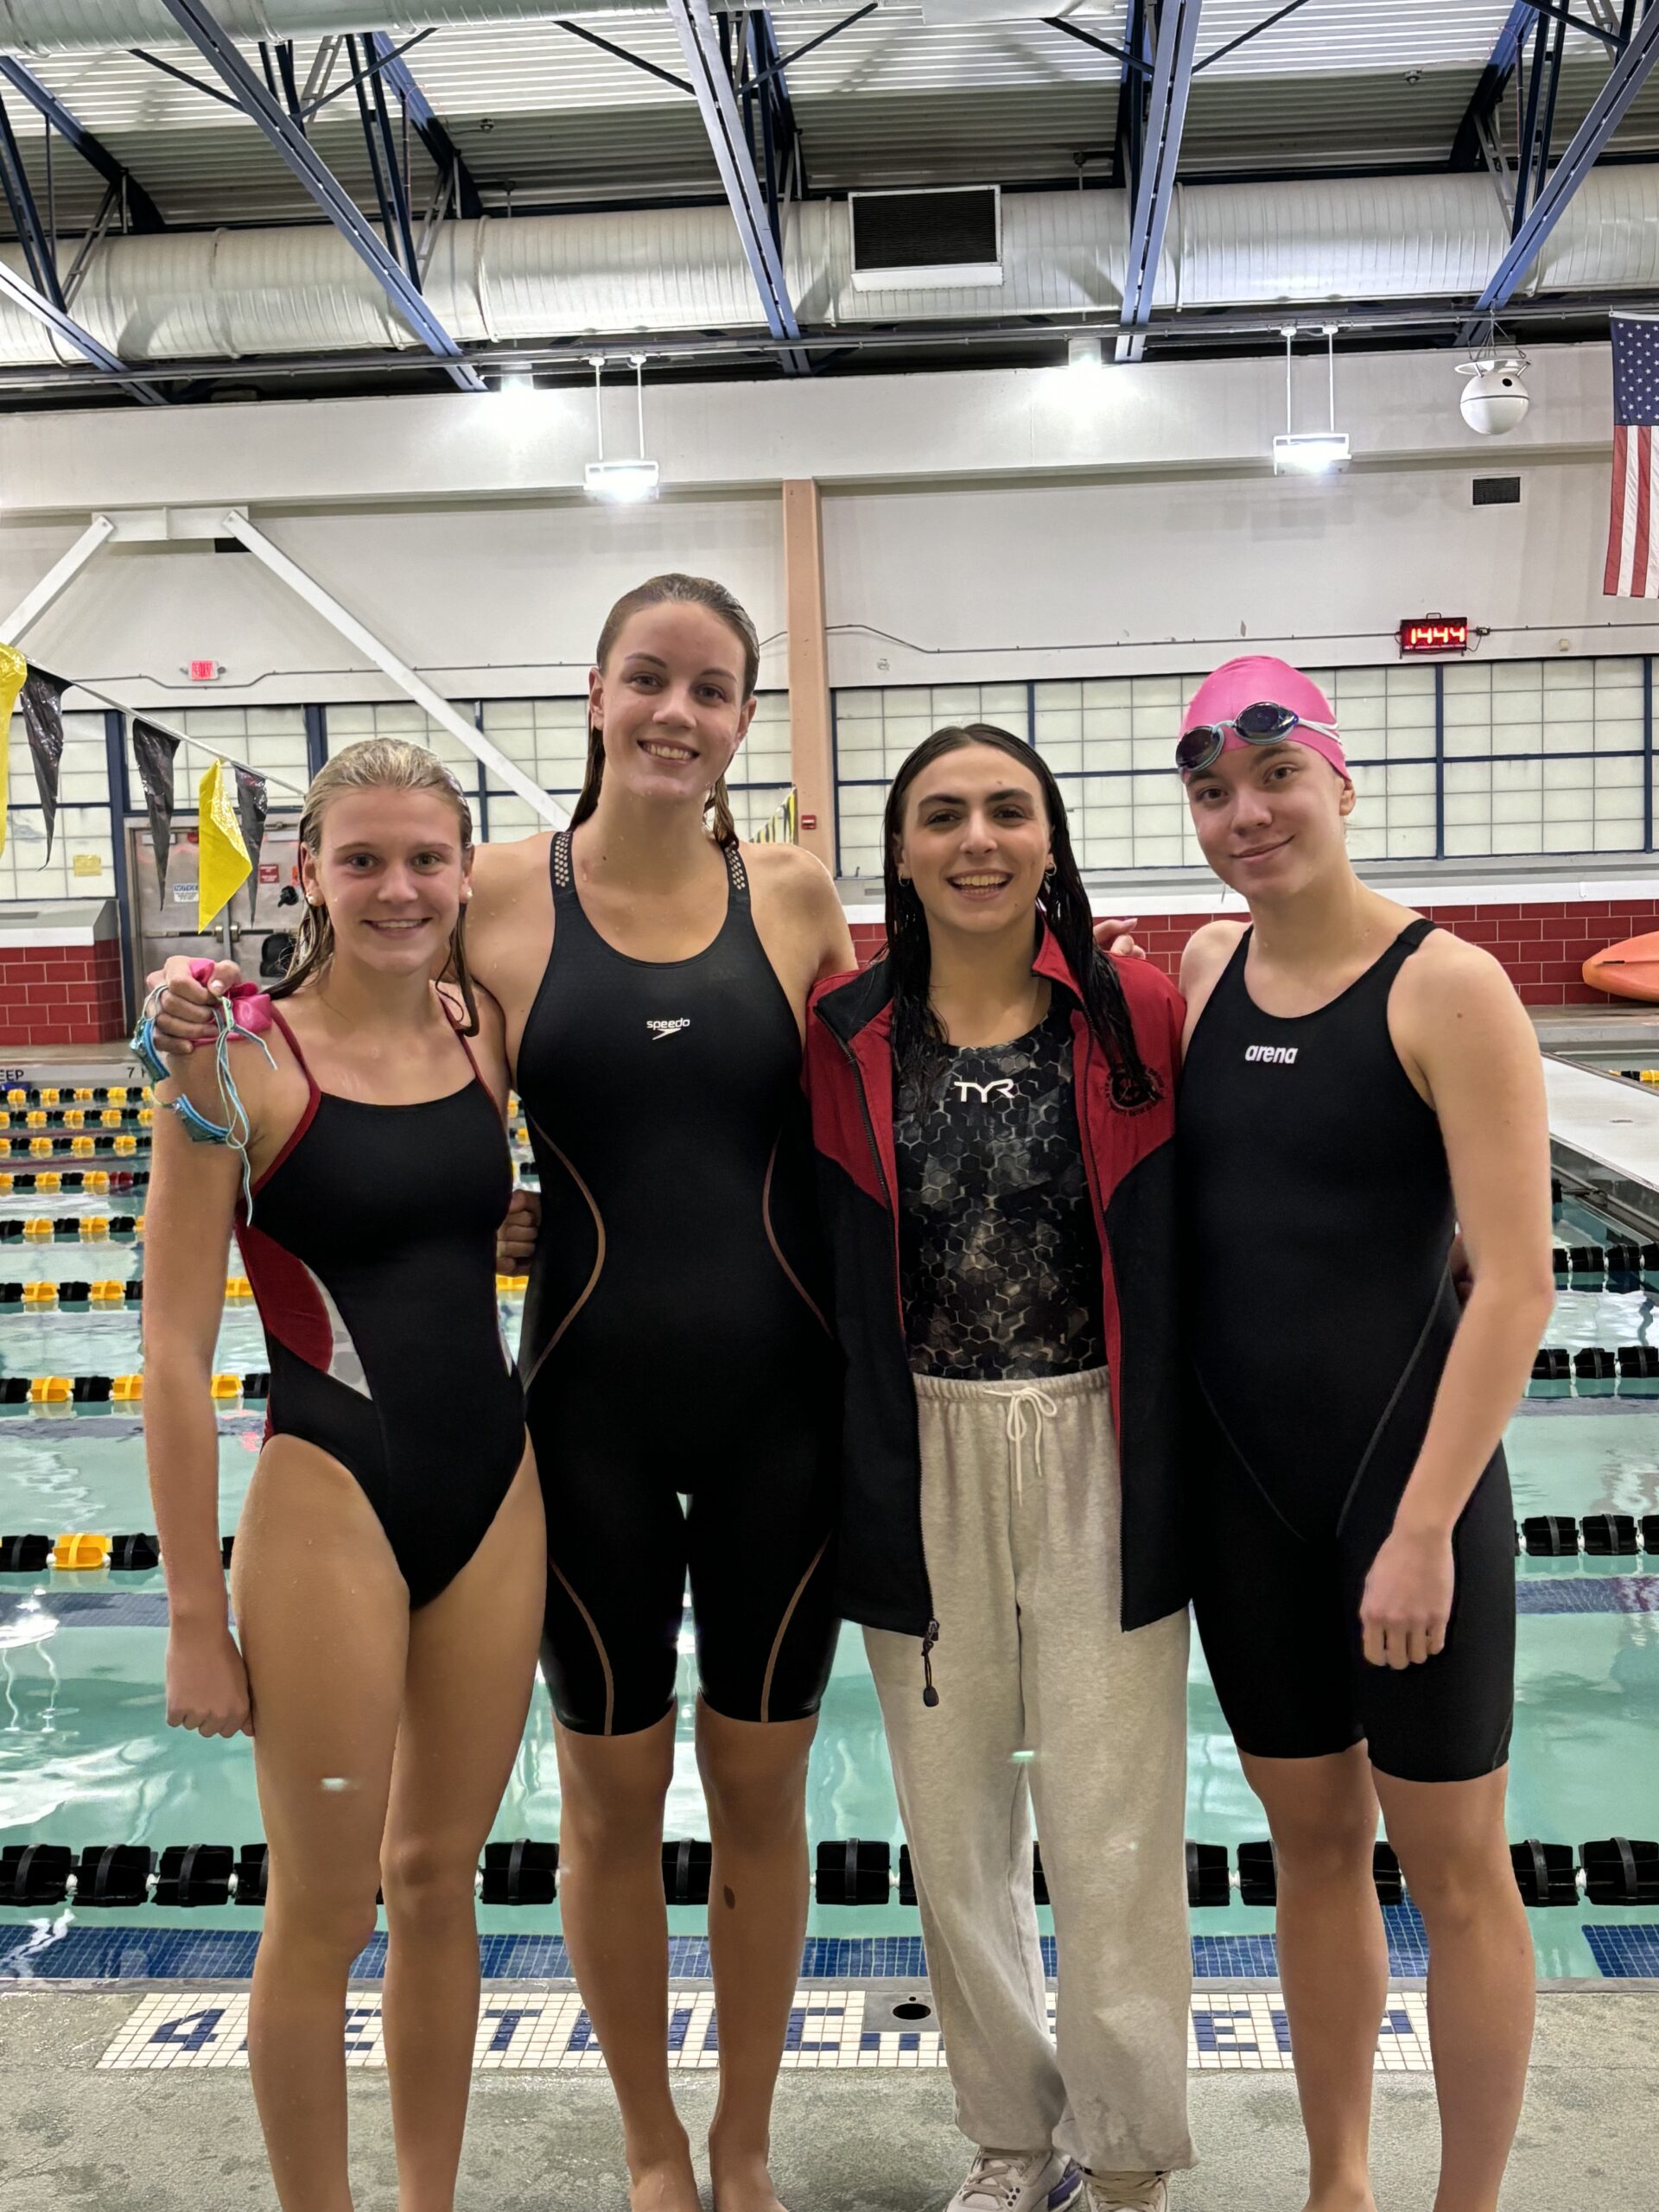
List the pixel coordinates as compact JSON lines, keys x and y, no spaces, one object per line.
{"x":86,"y":1756}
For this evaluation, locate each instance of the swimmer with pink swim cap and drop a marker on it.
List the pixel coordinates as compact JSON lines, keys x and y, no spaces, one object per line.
{"x":1256,"y":700}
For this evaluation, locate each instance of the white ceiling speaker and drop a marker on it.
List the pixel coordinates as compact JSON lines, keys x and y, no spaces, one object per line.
{"x":1495,"y":398}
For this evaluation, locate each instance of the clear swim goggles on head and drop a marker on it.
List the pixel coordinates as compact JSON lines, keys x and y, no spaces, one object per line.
{"x":1265,"y":723}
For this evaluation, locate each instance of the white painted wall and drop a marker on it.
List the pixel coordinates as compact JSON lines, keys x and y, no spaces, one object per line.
{"x":997,"y":526}
{"x":943,"y":584}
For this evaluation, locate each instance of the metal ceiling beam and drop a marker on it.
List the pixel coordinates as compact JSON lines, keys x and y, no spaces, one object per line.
{"x":382,"y":58}
{"x":783,"y":61}
{"x":1203,"y":329}
{"x":622,"y":53}
{"x":1171,"y":82}
{"x":40,"y":247}
{"x":1624,"y":80}
{"x":1129,"y":136}
{"x":705,"y":63}
{"x":1245,"y":38}
{"x":23,"y":295}
{"x":384,"y":164}
{"x":217,"y":48}
{"x":1101,"y":45}
{"x":1565,"y":15}
{"x":1538,"y":125}
{"x":1467,"y":151}
{"x":446,"y":157}
{"x":141,"y":210}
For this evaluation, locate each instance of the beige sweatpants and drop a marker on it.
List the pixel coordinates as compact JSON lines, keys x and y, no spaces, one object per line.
{"x":1043,"y":1697}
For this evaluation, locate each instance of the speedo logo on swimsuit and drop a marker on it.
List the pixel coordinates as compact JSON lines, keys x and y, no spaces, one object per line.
{"x":661,"y":1029}
{"x":985,"y":1090}
{"x":1279,"y":1056}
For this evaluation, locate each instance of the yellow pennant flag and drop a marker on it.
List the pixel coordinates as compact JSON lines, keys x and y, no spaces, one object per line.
{"x":223,"y":863}
{"x":14,"y":673}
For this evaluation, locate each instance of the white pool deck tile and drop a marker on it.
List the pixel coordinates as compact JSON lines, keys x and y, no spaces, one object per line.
{"x":546,"y":2029}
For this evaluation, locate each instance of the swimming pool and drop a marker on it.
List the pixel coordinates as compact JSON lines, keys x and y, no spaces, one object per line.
{"x":86,"y":1758}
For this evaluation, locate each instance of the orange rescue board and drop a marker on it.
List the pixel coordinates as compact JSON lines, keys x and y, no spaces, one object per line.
{"x":1629,"y":970}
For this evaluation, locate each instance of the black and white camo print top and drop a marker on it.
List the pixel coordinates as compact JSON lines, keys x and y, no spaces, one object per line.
{"x":999,"y":1255}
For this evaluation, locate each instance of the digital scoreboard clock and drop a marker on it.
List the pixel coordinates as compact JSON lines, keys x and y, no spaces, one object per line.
{"x":1435,"y":634}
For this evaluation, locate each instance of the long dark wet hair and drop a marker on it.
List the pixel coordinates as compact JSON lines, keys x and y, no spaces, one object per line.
{"x":919,"y":1044}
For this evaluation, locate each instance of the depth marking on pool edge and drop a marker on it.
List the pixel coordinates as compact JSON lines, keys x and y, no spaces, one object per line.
{"x":548,"y":2030}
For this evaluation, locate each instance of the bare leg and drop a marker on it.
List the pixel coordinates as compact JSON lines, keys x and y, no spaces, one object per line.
{"x":471,"y":1665}
{"x":323,"y":1618}
{"x":1333,"y":1958}
{"x":613,"y":1789}
{"x":754,"y":1778}
{"x":1450,"y":1842}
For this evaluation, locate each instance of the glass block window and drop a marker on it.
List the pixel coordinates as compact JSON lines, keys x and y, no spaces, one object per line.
{"x":876,"y":731}
{"x":548,"y":738}
{"x":1546,"y":757}
{"x":269,"y":739}
{"x":82,"y":834}
{"x":1459,"y":758}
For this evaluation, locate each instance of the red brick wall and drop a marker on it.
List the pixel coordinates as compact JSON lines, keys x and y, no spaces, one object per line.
{"x":60,"y":994}
{"x":1543,"y":945}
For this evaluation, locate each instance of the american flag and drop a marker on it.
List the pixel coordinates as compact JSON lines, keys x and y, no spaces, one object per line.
{"x":1633,"y":533}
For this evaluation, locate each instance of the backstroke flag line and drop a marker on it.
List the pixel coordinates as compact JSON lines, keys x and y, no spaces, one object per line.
{"x":12,"y":670}
{"x":224,"y":866}
{"x":153,"y":750}
{"x":1632,"y":570}
{"x":43,"y":720}
{"x":251,"y":801}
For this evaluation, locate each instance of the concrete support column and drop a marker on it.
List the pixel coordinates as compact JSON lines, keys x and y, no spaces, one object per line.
{"x":811,"y":753}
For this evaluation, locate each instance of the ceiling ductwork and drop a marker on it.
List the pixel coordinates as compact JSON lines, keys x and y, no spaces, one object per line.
{"x":249,"y":295}
{"x":84,"y":26}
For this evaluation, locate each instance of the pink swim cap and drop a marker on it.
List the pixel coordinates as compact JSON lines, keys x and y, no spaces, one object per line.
{"x":1258,"y":679}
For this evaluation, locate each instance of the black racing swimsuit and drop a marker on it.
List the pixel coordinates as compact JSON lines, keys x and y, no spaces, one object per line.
{"x":673,"y":1341}
{"x":371,"y":1253}
{"x":1319,"y":1219}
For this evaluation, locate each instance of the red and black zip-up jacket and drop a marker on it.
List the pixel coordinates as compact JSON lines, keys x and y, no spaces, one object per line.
{"x":883,"y":1579}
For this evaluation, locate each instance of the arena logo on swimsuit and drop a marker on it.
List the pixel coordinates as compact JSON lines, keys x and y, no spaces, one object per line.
{"x":1281,"y":1056}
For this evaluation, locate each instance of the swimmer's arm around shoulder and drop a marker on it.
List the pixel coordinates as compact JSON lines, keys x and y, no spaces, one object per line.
{"x":805,"y":892}
{"x":187,"y":1222}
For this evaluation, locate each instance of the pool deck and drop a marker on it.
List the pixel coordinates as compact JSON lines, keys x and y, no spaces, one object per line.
{"x":98,"y":2141}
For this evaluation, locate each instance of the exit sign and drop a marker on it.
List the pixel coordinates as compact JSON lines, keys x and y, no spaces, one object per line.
{"x":1435,"y":634}
{"x":204,"y":672}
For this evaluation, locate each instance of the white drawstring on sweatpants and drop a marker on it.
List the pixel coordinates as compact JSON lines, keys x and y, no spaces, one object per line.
{"x":1017,"y":1398}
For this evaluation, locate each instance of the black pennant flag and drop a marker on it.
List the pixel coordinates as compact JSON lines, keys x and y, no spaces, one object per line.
{"x":42,"y":702}
{"x":251,"y":801}
{"x":153,"y":750}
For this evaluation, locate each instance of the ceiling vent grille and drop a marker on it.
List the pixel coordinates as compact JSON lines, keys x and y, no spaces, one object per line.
{"x":929,"y":241}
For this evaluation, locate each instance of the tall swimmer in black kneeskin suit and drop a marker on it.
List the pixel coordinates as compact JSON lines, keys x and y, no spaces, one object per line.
{"x":1357,"y":1084}
{"x":675,"y":1342}
{"x":388,"y":1574}
{"x":671,"y":1343}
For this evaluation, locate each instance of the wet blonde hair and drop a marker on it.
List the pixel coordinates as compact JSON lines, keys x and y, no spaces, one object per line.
{"x":678,"y":590}
{"x":376,"y":764}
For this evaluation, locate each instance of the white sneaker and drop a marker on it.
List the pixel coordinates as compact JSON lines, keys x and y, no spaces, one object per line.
{"x":1130,"y":2192}
{"x":1018,"y":2180}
